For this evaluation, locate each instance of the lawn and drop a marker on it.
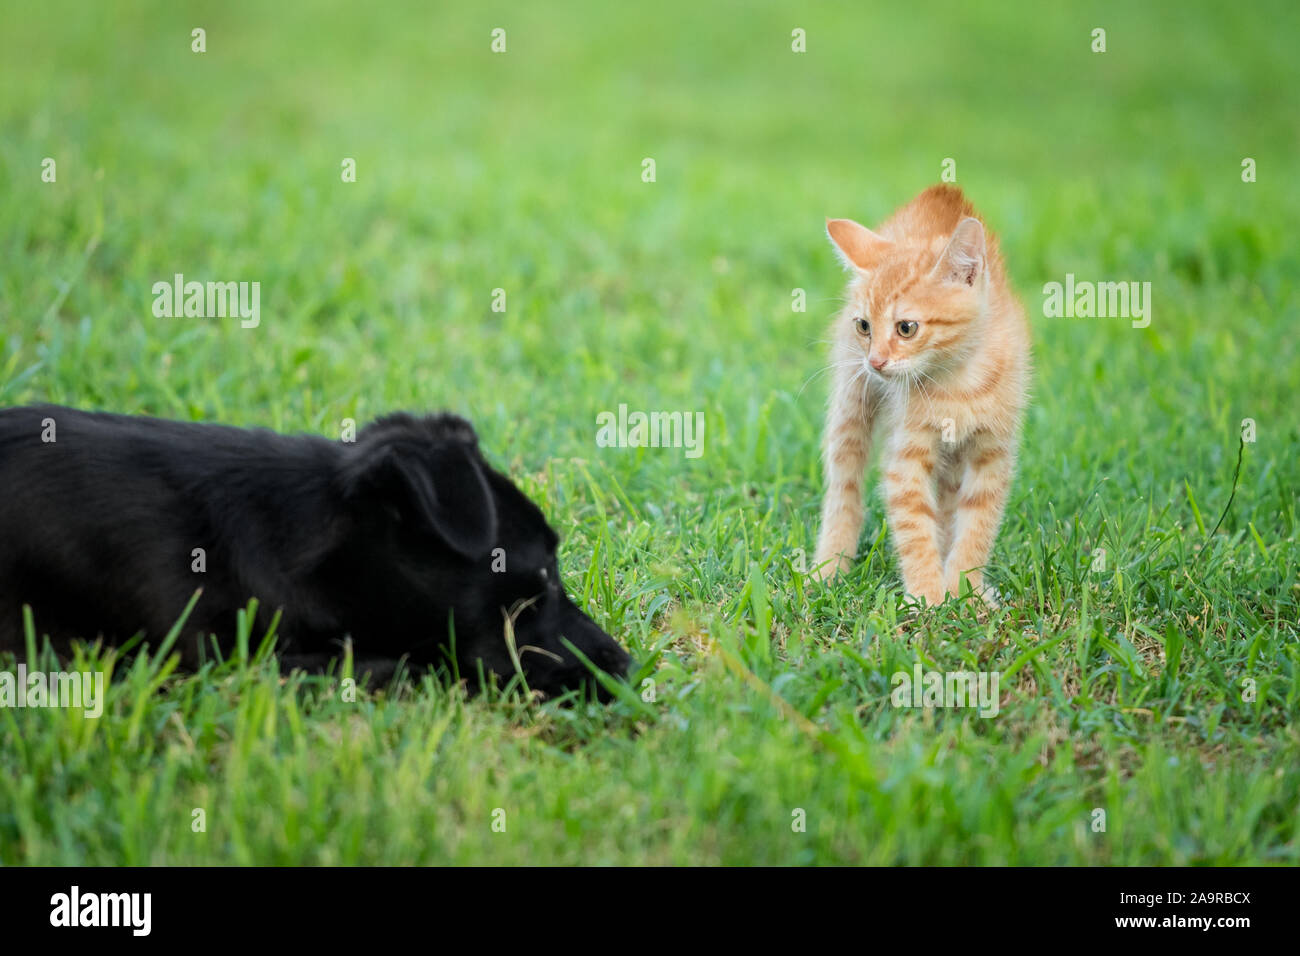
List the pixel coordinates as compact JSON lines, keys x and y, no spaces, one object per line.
{"x":1148,"y":694}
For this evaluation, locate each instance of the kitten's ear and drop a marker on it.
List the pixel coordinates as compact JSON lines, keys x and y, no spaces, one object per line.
{"x":858,"y":246}
{"x":962,"y":262}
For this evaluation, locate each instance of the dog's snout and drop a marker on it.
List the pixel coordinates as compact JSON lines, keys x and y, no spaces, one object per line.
{"x":617,"y":661}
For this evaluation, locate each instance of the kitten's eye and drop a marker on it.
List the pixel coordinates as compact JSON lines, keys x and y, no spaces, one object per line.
{"x":907,"y":329}
{"x":863,"y":326}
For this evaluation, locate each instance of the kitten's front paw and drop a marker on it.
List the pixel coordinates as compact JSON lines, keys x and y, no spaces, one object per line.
{"x":974,"y":581}
{"x":931,"y":595}
{"x":828,"y":566}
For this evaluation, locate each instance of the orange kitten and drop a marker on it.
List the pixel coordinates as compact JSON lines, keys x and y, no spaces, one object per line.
{"x":933,"y":345}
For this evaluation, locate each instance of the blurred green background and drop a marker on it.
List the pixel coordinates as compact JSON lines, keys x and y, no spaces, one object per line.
{"x":522,"y":171}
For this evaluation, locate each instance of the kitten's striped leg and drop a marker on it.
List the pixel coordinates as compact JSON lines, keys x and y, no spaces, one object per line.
{"x":980,"y":503}
{"x":947,"y":484}
{"x":911,"y":504}
{"x":846,"y":448}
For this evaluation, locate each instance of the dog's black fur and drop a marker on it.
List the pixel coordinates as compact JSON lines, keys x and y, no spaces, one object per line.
{"x":390,"y":540}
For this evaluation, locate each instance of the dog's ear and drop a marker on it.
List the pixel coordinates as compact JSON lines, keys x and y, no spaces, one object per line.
{"x":439,"y":484}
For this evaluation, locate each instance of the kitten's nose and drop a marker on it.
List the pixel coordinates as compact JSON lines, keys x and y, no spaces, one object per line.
{"x":877,"y":362}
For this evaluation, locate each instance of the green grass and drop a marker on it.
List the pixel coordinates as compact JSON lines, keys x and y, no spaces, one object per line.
{"x":1123,"y":689}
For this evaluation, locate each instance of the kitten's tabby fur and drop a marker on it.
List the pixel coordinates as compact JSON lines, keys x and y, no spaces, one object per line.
{"x":948,"y":391}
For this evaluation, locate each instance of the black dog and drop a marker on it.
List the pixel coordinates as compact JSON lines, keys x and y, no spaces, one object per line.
{"x":405,"y":540}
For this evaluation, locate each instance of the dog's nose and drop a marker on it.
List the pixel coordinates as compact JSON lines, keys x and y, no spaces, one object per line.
{"x":620,"y":663}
